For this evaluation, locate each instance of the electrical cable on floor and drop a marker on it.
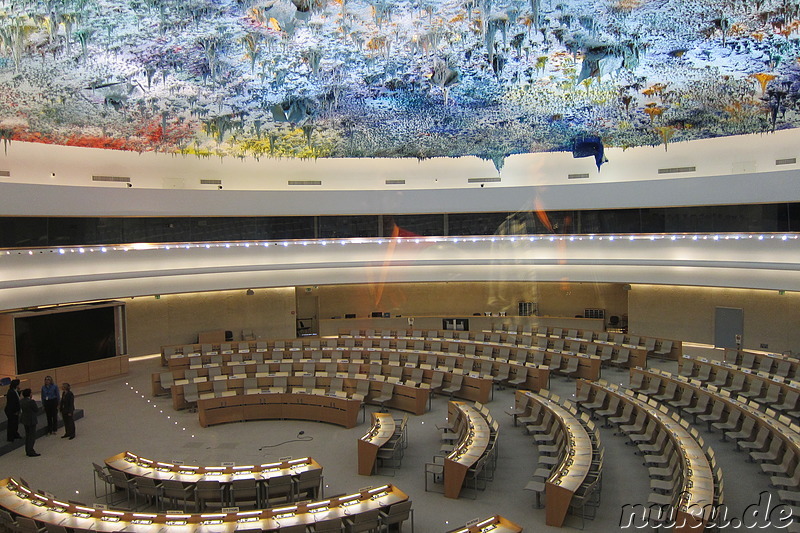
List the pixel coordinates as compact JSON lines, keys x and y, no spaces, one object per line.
{"x":300,"y":438}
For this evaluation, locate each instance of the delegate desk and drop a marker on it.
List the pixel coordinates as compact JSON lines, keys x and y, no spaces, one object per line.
{"x":779,"y":426}
{"x":472,"y":445}
{"x":783,"y":365}
{"x":20,"y":500}
{"x":754,"y":384}
{"x":381,"y":431}
{"x":537,"y":377}
{"x":571,"y":472}
{"x":133,"y":465}
{"x":476,"y":387}
{"x":696,"y":490}
{"x":408,"y":396}
{"x":296,"y":406}
{"x":495,"y":524}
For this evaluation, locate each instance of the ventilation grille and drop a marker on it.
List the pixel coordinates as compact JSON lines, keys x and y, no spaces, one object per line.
{"x":305,"y":182}
{"x":5,"y":173}
{"x":483,"y":180}
{"x":210,"y":182}
{"x":577,"y":176}
{"x":790,"y":161}
{"x":395,"y":182}
{"x":676,"y":170}
{"x":116,"y":179}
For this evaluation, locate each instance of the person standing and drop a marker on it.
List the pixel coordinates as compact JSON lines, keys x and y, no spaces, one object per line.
{"x":50,"y":396}
{"x":29,"y":414}
{"x":12,"y":411}
{"x":67,"y":408}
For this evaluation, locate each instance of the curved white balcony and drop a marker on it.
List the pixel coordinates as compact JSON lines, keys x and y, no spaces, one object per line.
{"x":44,"y":276}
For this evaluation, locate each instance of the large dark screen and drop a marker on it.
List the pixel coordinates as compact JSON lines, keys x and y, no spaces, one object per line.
{"x":51,"y":340}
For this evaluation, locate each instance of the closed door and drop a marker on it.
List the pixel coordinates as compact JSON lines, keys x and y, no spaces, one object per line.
{"x":728,"y":324}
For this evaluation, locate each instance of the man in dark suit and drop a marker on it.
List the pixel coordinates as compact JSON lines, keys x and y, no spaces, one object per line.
{"x":29,"y":415}
{"x":12,"y":411}
{"x":67,"y":408}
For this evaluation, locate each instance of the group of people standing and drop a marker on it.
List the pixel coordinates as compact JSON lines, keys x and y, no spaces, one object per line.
{"x":21,"y":407}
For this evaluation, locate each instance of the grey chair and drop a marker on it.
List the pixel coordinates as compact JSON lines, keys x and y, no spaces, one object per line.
{"x":395,"y":515}
{"x":387,"y":393}
{"x":328,"y":526}
{"x":308,"y":484}
{"x":122,"y":482}
{"x":455,"y":385}
{"x":147,"y":487}
{"x":366,"y":521}
{"x":244,"y":490}
{"x":176,"y":491}
{"x":102,"y":473}
{"x":209,"y":491}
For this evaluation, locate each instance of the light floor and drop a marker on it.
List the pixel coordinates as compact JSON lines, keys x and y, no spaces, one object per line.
{"x":121,"y":415}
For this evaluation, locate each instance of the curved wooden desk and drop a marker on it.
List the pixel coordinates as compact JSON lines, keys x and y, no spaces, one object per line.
{"x":136,"y":466}
{"x":296,"y":406}
{"x":475,"y":387}
{"x":470,"y":447}
{"x":406,"y":397}
{"x":779,"y":427}
{"x":22,"y":501}
{"x":697,"y":480}
{"x":571,"y":472}
{"x":381,"y":431}
{"x":750,"y":376}
{"x":495,"y":524}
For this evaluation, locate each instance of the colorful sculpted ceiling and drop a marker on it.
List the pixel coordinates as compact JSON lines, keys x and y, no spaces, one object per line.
{"x":396,"y":78}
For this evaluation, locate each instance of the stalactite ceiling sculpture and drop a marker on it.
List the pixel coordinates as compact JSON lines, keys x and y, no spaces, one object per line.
{"x":394,"y":78}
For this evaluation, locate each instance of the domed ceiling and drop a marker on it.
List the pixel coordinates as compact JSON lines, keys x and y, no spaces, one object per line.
{"x":377,"y":78}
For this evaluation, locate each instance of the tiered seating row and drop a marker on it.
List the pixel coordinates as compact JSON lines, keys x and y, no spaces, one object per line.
{"x":772,"y":440}
{"x":665,"y":348}
{"x":467,"y":377}
{"x":771,"y":363}
{"x":689,"y":485}
{"x":478,"y":435}
{"x":401,"y":354}
{"x":226,"y":485}
{"x":572,"y":470}
{"x":775,"y":391}
{"x":589,"y":354}
{"x":28,"y":509}
{"x":360,"y":382}
{"x":383,"y":443}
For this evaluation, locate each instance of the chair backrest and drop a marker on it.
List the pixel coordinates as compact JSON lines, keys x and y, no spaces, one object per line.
{"x":388,"y":388}
{"x":397,"y":512}
{"x":437,"y":379}
{"x":167,"y":379}
{"x":309,"y":382}
{"x":362,"y":387}
{"x":456,"y":380}
{"x":336,"y":384}
{"x":328,"y":526}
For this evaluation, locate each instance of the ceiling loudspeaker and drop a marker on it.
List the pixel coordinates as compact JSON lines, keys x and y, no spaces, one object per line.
{"x":626,"y":287}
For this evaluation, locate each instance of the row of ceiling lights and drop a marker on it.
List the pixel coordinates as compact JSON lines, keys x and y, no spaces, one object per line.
{"x":415,"y":240}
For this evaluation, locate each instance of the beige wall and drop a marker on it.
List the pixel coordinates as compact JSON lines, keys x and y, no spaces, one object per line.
{"x":687,"y":313}
{"x":466,"y":298}
{"x":178,"y":318}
